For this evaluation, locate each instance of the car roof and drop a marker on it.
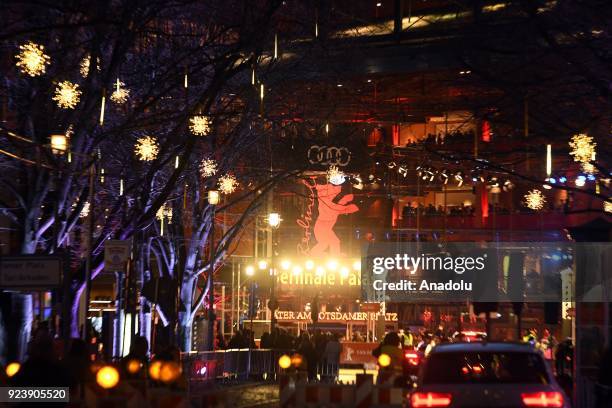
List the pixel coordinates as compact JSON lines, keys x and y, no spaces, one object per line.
{"x":480,"y":346}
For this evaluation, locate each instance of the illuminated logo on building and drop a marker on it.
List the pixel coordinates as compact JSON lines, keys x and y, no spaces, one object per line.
{"x":329,"y":155}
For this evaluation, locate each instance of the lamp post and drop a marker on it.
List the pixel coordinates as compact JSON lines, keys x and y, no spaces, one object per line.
{"x":274,"y":220}
{"x":213,"y":200}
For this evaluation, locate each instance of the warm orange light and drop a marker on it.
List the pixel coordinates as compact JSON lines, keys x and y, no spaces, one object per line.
{"x":284,"y":361}
{"x":12,"y":369}
{"x":384,"y":360}
{"x":154,"y":370}
{"x":296,"y":360}
{"x":169,"y":372}
{"x":133,"y":366}
{"x":107,"y":377}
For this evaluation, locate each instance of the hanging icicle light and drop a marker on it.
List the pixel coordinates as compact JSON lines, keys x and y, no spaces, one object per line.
{"x":85,"y":210}
{"x":120,"y":187}
{"x":275,"y":46}
{"x":228,"y":183}
{"x":548,"y":160}
{"x":199,"y":125}
{"x":335,"y":176}
{"x":146,"y":148}
{"x":582,"y":148}
{"x":120,"y":94}
{"x":102,"y":107}
{"x":164,"y":212}
{"x":67,"y":95}
{"x":535,"y":200}
{"x":208,"y":168}
{"x":32,"y":59}
{"x":253,"y":76}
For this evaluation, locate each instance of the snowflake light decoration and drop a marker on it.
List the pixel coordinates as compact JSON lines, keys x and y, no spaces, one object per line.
{"x":120,"y":94}
{"x":582,"y":148}
{"x":199,"y":125}
{"x":165,"y":211}
{"x":32,"y":59}
{"x":228,"y":183}
{"x":208,"y":168}
{"x":535,"y":200}
{"x":146,"y":148}
{"x":335,"y":176}
{"x":67,"y":95}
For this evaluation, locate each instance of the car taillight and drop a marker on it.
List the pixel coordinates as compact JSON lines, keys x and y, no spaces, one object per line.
{"x":413,"y":358}
{"x":430,"y":399}
{"x":543,"y":399}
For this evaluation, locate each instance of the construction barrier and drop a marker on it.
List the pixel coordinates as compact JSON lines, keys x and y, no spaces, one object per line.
{"x":296,"y":392}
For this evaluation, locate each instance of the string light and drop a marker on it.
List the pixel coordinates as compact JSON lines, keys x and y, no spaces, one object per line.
{"x":208,"y":168}
{"x":120,"y":94}
{"x":32,"y":59}
{"x":200,"y":125}
{"x":335,"y":176}
{"x":582,"y":148}
{"x":146,"y":148}
{"x":228,"y":183}
{"x":535,"y":200}
{"x":67,"y":95}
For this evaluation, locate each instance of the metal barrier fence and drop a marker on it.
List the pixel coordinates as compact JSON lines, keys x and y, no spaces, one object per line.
{"x":240,"y":364}
{"x":233,"y":364}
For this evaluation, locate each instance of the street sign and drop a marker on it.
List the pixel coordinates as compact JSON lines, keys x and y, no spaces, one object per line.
{"x":116,"y":254}
{"x":31,"y":272}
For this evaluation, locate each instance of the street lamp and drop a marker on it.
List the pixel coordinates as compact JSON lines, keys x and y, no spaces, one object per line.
{"x":213,"y":197}
{"x":213,"y":200}
{"x":59,"y":143}
{"x":274,"y":220}
{"x":250,"y":270}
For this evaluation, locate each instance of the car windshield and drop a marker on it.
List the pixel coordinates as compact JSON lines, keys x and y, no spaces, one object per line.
{"x":485,"y":367}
